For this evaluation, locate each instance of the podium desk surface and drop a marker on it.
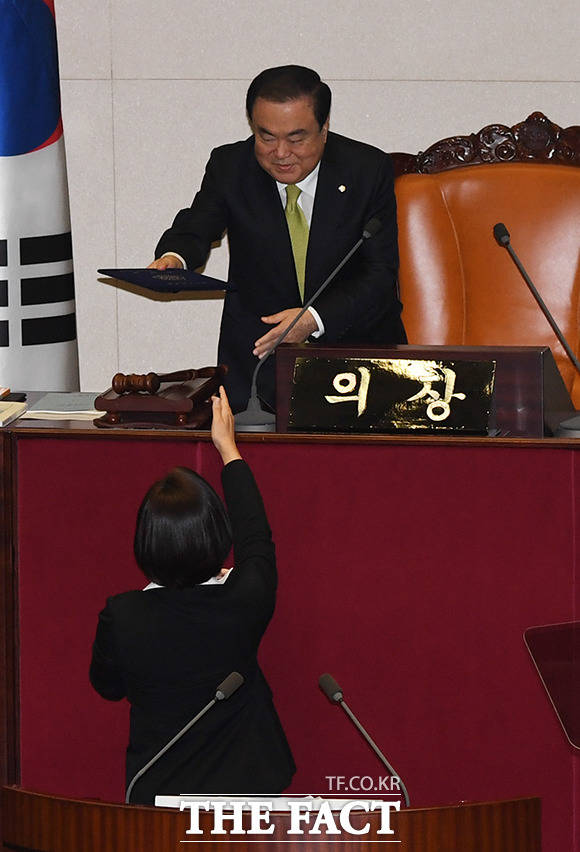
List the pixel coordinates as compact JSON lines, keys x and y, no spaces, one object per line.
{"x":77,"y":428}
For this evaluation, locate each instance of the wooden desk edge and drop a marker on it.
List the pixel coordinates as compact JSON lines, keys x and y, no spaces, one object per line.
{"x":82,"y":429}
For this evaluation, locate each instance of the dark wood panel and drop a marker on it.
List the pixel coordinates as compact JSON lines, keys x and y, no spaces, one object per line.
{"x":529,"y":396}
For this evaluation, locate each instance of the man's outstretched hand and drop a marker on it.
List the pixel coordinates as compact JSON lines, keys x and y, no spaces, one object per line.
{"x":280,"y":321}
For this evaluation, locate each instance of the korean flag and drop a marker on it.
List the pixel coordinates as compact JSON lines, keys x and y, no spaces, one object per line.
{"x":38,"y":347}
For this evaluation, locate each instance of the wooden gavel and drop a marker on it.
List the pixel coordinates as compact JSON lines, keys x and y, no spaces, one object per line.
{"x":149,"y":383}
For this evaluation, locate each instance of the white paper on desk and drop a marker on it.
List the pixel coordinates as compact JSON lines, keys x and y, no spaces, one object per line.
{"x":64,"y":406}
{"x":279,"y":803}
{"x":10,"y":411}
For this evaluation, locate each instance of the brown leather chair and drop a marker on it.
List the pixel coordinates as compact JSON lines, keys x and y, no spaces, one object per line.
{"x":457,"y":285}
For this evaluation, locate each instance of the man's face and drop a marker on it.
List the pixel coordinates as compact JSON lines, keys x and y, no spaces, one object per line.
{"x":289,"y":143}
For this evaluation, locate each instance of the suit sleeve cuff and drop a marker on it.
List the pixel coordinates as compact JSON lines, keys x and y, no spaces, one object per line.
{"x":174,"y":254}
{"x":318,"y":321}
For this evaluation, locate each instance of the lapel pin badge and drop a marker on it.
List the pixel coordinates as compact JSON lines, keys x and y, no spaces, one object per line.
{"x":342,"y":188}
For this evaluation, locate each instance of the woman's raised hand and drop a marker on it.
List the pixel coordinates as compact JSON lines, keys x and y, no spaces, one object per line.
{"x":222,"y":428}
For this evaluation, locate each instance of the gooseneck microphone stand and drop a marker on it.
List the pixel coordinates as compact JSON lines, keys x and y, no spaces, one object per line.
{"x":334,"y":694}
{"x":226,"y":688}
{"x":569,"y":428}
{"x":502,"y":237}
{"x":254,"y":418}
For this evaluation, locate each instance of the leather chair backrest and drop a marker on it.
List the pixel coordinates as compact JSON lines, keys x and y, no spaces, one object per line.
{"x":459,"y":287}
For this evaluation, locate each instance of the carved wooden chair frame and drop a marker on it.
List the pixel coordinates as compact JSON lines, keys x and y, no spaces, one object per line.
{"x":537,"y":139}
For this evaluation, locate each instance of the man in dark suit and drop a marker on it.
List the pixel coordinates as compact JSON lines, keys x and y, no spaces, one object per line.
{"x":293,"y":198}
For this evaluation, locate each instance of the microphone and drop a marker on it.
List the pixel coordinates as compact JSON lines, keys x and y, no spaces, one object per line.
{"x":335,"y":694}
{"x":569,"y":428}
{"x":225,"y":690}
{"x":330,"y":688}
{"x":501,"y":234}
{"x":372,"y":228}
{"x":254,"y":418}
{"x":228,"y":686}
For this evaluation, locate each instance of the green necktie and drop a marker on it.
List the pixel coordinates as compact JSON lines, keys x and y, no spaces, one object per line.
{"x":298,"y":227}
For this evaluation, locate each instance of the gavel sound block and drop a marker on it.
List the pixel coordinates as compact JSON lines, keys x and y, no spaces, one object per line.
{"x":180,"y":400}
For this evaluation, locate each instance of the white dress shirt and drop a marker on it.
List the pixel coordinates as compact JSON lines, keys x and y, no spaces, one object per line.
{"x":306,"y":203}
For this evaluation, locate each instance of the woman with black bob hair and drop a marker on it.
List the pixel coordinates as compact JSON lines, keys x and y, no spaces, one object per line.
{"x":183,"y":531}
{"x":166,"y":648}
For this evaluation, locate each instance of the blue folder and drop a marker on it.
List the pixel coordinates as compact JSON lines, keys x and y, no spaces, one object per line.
{"x":167,"y":280}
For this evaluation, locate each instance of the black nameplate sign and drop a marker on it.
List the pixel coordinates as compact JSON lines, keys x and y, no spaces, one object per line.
{"x":391,"y":395}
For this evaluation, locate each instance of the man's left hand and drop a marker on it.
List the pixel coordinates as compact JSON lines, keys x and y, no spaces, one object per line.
{"x":301,"y":331}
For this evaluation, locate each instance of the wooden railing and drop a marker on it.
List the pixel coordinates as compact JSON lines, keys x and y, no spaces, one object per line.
{"x":37,"y":822}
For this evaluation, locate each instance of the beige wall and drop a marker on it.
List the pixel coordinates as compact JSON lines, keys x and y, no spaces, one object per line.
{"x":149,"y":88}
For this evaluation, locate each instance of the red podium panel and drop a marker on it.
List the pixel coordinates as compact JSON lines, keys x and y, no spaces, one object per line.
{"x":409,"y":569}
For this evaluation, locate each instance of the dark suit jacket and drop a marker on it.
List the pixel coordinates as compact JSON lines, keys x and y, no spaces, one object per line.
{"x":167,"y":650}
{"x":237,"y":195}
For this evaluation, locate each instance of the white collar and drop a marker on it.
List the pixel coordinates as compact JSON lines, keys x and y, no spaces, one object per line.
{"x":307,"y":184}
{"x":213,"y":581}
